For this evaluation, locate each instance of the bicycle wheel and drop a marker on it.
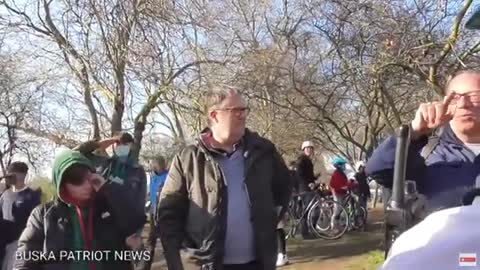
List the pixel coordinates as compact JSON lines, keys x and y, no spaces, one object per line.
{"x":319,"y":216}
{"x":358,"y":217}
{"x":324,"y":224}
{"x":292,"y":217}
{"x":290,"y":227}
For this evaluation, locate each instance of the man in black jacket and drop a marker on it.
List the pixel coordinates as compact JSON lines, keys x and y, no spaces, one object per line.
{"x":363,"y":187}
{"x":121,"y":167}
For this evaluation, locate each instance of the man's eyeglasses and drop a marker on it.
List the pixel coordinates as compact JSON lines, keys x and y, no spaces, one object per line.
{"x":236,"y":111}
{"x":473,"y":97}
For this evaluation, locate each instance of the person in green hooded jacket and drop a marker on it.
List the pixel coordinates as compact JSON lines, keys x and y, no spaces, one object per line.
{"x":90,"y":215}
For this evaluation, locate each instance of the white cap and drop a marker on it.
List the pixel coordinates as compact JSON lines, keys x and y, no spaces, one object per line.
{"x":306,"y":144}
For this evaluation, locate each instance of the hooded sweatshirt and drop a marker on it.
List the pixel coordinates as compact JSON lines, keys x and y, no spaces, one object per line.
{"x":80,"y":214}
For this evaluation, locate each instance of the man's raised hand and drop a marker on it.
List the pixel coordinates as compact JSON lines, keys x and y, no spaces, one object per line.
{"x":432,"y":115}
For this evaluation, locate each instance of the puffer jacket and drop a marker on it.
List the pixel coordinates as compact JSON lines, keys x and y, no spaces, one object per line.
{"x":192,"y":209}
{"x":115,"y":218}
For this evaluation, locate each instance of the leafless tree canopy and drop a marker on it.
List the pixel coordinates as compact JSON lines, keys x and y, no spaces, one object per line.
{"x":341,"y":73}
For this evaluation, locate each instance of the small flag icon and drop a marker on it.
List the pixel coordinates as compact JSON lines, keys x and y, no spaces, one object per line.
{"x":467,"y":259}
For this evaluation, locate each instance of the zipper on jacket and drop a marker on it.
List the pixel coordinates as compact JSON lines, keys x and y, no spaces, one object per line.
{"x":222,"y":213}
{"x":248,"y":194}
{"x":247,"y":164}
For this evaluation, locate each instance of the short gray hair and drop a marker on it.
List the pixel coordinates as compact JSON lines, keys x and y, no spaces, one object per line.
{"x":215,"y":95}
{"x":450,"y":78}
{"x":218,"y":93}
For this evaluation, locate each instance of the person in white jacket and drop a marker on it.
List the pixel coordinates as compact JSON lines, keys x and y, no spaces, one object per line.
{"x":445,"y":240}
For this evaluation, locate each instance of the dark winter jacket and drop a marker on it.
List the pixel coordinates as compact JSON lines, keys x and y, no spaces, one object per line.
{"x":363,"y":188}
{"x":305,"y":174}
{"x":192,"y":210}
{"x":135,"y":178}
{"x":444,"y":177}
{"x":16,"y":206}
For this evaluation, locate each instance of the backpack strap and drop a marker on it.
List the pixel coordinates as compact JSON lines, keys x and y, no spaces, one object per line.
{"x":432,"y":143}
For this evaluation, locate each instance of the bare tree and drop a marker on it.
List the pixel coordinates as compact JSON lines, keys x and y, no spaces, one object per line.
{"x":344,"y":73}
{"x":19,"y":98}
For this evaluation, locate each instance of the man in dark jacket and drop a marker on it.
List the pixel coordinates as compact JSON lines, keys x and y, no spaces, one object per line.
{"x":363,"y":187}
{"x":224,"y":195}
{"x":16,"y":204}
{"x":450,"y":167}
{"x":88,"y":214}
{"x":121,"y":167}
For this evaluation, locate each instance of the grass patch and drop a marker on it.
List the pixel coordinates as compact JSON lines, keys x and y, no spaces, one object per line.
{"x":370,"y":261}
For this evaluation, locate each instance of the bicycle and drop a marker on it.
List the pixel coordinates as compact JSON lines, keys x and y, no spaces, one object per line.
{"x":319,"y":216}
{"x":357,"y":214}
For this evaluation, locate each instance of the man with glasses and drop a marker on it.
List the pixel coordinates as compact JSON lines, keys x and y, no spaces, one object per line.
{"x":224,"y":195}
{"x":444,"y":166}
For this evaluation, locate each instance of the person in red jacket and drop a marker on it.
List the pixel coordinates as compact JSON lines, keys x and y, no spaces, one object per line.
{"x":339,"y":186}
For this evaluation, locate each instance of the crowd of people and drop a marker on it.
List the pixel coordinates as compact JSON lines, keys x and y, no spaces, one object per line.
{"x":221,"y":203}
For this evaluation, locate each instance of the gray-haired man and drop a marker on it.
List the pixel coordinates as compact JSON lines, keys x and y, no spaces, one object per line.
{"x":220,"y":205}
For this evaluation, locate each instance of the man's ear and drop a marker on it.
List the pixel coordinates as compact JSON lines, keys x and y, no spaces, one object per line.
{"x":212,"y":115}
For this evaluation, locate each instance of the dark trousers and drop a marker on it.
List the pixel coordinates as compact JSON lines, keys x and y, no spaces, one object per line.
{"x":151,"y":244}
{"x":247,"y":266}
{"x":282,"y":244}
{"x":306,"y":198}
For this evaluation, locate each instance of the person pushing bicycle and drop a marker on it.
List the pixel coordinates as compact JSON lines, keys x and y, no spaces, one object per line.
{"x":339,"y":185}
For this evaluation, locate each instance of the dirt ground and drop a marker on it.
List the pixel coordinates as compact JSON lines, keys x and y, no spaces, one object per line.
{"x":351,"y":252}
{"x":346,"y":253}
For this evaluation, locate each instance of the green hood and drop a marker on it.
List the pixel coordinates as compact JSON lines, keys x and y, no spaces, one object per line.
{"x":62,"y":162}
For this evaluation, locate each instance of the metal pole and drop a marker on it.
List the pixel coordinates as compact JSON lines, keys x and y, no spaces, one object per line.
{"x":401,"y":153}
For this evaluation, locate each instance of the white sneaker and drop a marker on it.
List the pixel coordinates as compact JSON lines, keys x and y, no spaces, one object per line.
{"x":282,"y":259}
